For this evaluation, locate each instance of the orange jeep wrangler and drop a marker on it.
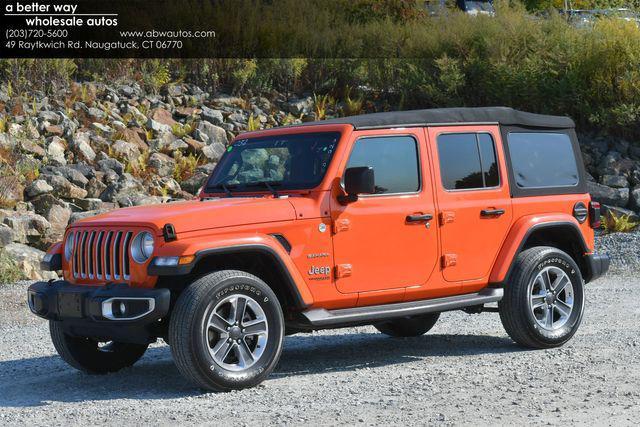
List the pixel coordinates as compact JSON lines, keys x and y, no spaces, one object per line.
{"x":385,"y":219}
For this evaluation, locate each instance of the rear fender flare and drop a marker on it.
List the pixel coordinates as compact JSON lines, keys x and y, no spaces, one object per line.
{"x":521,"y":231}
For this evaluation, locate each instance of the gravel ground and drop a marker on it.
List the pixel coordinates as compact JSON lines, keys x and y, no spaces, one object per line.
{"x":465,"y":371}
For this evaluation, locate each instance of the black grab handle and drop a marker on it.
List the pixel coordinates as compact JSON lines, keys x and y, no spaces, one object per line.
{"x":419,"y":218}
{"x":492,"y":212}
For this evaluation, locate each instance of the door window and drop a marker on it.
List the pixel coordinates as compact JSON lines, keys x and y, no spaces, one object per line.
{"x":394,"y":160}
{"x":467,"y":161}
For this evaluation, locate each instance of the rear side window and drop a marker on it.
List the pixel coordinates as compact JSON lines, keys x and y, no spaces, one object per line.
{"x":394,"y":160}
{"x":543,"y":159}
{"x":467,"y":161}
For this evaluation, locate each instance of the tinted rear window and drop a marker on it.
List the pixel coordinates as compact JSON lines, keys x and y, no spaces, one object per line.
{"x":467,"y":161}
{"x":541,"y":160}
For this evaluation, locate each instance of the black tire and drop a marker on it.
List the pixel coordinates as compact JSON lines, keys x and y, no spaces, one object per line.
{"x":88,"y":356}
{"x":524,"y":323}
{"x":408,"y":326}
{"x":192,"y":345}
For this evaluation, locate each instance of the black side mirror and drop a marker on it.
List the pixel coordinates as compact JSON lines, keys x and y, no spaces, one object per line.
{"x":359,"y":180}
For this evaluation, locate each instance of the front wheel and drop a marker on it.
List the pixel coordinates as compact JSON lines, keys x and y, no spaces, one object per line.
{"x":91,"y":356}
{"x":226,"y":331}
{"x":544,"y":300}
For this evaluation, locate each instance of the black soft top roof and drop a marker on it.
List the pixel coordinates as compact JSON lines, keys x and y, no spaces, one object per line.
{"x":501,"y":115}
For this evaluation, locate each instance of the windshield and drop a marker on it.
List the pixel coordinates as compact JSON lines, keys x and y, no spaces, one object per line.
{"x":285,"y":162}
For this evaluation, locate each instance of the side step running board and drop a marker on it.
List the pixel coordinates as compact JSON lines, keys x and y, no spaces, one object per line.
{"x":362,"y":315}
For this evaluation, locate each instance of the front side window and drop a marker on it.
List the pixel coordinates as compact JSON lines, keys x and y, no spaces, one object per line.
{"x":394,"y":160}
{"x":542,"y":160}
{"x":468,"y":161}
{"x":283,"y":162}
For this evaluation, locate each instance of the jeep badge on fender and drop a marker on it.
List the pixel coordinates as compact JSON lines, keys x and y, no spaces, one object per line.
{"x":416,"y":213}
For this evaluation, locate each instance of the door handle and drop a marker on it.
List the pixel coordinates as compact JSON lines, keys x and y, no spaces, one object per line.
{"x":491,"y":212}
{"x":419,"y":218}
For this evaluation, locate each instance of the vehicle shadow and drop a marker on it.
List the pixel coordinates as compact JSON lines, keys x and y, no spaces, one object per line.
{"x":41,"y":380}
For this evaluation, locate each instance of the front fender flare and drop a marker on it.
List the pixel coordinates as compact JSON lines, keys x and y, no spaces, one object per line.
{"x":265,"y":244}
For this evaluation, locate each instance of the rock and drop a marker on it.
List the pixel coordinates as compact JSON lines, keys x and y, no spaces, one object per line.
{"x":134,"y":136}
{"x":11,"y":191}
{"x":193,"y":146}
{"x":28,"y":260}
{"x":163,"y":164}
{"x":31,"y":147}
{"x":89,"y":204}
{"x":186,"y":112}
{"x":216,"y":134}
{"x":607,"y":195}
{"x":6,"y":235}
{"x":193,"y":184}
{"x":82,"y":146}
{"x":27,"y":227}
{"x":163,"y":116}
{"x":212,"y":116}
{"x":620,"y":212}
{"x":49,"y":116}
{"x":157,"y":126}
{"x":213,"y":151}
{"x":38,"y":187}
{"x":300,"y":106}
{"x":101,"y":128}
{"x":634,"y":199}
{"x":62,"y":187}
{"x":94,"y":188}
{"x":96,"y":114}
{"x":77,"y":216}
{"x":126,"y":150}
{"x":615,"y":181}
{"x":224,"y":100}
{"x":56,"y":151}
{"x":55,"y":211}
{"x":111,"y":164}
{"x":70,"y":173}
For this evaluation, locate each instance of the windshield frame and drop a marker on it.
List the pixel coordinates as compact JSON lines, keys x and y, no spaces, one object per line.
{"x":230,"y":189}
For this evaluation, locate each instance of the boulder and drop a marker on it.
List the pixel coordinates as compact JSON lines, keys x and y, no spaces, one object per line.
{"x":31,"y":147}
{"x":89,"y":204}
{"x":37,"y":188}
{"x":134,"y":136}
{"x":615,"y":181}
{"x":27,"y":227}
{"x":77,"y":216}
{"x":607,"y":195}
{"x":56,"y":151}
{"x":11,"y":191}
{"x":634,"y":199}
{"x":193,"y":184}
{"x":193,"y":146}
{"x":215,"y":134}
{"x":126,"y":150}
{"x":212,"y":116}
{"x":63,"y":188}
{"x":50,"y":116}
{"x":163,"y":116}
{"x":94,"y":188}
{"x":213,"y":152}
{"x":298,"y":106}
{"x":82,"y":147}
{"x":57,"y":212}
{"x":109,"y":163}
{"x":163,"y":164}
{"x":28,"y":261}
{"x":6,"y":235}
{"x":157,"y":126}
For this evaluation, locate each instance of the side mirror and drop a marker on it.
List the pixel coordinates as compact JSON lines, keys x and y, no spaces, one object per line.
{"x":359,"y":180}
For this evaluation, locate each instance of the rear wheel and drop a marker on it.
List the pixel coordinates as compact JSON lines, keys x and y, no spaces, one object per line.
{"x":226,"y":331}
{"x":91,"y":356}
{"x":543,"y":302}
{"x":408,"y":326}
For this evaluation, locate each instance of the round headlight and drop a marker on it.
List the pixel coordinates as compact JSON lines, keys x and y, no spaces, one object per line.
{"x":68,"y":246}
{"x":142,"y":247}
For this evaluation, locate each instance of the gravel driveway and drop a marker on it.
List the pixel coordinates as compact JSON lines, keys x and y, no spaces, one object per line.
{"x":465,"y":371}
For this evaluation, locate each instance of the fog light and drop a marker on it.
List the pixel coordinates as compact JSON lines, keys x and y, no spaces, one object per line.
{"x":167,"y":261}
{"x":123,"y":309}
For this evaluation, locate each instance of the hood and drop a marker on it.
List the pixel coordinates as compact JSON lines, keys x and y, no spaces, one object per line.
{"x":197,"y":215}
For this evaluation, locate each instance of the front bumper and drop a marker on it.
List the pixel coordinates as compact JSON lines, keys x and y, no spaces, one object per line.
{"x":113,"y":312}
{"x":597,"y":266}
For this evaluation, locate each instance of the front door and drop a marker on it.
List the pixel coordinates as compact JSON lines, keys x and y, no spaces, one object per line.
{"x":473,"y":199}
{"x":384,"y":240}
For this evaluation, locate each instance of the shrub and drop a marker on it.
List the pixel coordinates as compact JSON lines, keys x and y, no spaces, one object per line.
{"x":185,"y":166}
{"x":9,"y":271}
{"x":618,"y":223}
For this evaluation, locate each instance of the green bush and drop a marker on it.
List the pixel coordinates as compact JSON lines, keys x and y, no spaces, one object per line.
{"x":9,"y":271}
{"x":401,"y":57}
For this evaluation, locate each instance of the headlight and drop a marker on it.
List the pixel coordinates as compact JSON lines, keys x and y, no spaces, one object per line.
{"x":68,"y":247}
{"x":142,"y":247}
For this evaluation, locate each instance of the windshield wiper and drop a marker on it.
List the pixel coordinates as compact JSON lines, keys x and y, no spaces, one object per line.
{"x":222,"y":186}
{"x":268,"y":185}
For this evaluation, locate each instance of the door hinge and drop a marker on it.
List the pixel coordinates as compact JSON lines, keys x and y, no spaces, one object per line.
{"x":341,"y":225}
{"x":447,"y":217}
{"x":449,"y":260}
{"x":343,"y":270}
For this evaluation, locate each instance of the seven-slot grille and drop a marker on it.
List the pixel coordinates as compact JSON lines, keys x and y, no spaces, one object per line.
{"x":101,"y":254}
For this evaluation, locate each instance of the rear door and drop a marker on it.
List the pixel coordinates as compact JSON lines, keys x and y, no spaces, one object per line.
{"x":383,"y":241}
{"x":473,"y":198}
